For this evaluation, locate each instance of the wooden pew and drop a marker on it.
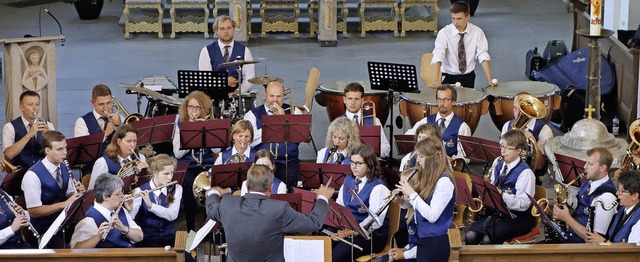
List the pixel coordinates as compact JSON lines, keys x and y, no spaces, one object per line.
{"x":550,"y":252}
{"x":93,"y":255}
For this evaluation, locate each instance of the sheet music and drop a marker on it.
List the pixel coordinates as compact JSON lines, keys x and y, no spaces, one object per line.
{"x":201,"y":234}
{"x":297,"y":250}
{"x":53,"y":229}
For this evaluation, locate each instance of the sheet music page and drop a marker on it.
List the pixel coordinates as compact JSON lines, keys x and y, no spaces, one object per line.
{"x":298,"y":250}
{"x":201,"y":234}
{"x":46,"y":237}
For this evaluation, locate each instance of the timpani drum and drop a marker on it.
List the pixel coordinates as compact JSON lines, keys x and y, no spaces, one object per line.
{"x":331,"y":96}
{"x":501,"y":99}
{"x":470,"y":106}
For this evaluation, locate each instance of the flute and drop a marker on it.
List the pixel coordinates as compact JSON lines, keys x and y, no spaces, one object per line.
{"x":155,"y":189}
{"x":333,"y":235}
{"x":106,"y":232}
{"x":10,"y":204}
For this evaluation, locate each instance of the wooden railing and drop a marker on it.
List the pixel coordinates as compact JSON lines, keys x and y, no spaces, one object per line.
{"x":93,"y":255}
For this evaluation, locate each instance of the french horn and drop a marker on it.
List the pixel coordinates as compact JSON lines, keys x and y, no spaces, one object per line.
{"x":201,"y":184}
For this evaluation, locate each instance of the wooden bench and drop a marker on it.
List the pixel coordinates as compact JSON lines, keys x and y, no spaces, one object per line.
{"x":93,"y":255}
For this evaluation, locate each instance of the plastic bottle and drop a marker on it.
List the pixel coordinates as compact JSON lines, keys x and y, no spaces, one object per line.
{"x":615,"y":128}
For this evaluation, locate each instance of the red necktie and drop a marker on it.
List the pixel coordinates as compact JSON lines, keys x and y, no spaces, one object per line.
{"x":226,"y":53}
{"x":462,"y":55}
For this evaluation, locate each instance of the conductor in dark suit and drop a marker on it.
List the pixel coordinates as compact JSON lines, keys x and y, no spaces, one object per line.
{"x":255,"y":225}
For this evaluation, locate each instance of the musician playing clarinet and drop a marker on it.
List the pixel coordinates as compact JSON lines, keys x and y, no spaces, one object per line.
{"x":432,"y":199}
{"x":48,"y":188}
{"x":157,"y":209}
{"x":365,"y":182}
{"x":10,"y":224}
{"x":343,"y":135}
{"x":107,"y":216}
{"x":241,"y":135}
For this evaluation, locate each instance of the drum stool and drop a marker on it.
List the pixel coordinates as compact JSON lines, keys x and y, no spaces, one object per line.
{"x":189,"y":22}
{"x":145,"y":22}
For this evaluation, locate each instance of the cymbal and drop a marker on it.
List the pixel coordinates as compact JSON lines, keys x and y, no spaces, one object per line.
{"x":153,"y":94}
{"x":265,"y":80}
{"x":238,"y":62}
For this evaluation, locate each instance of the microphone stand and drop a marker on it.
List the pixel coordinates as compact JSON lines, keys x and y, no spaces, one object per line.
{"x":57,"y":22}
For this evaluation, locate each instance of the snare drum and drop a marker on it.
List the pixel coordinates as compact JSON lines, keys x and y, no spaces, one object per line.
{"x":160,"y":108}
{"x":331,"y":96}
{"x":501,"y":99}
{"x":470,"y":106}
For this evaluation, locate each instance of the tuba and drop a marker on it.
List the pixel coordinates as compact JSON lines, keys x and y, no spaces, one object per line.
{"x":6,"y":166}
{"x":201,"y":184}
{"x":632,"y":149}
{"x":117,"y":108}
{"x":530,"y":108}
{"x":368,"y":105}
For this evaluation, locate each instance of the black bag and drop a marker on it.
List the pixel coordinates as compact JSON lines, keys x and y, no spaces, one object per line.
{"x":534,"y":62}
{"x":555,"y":50}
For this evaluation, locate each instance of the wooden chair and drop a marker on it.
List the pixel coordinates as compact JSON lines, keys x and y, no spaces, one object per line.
{"x":310,"y":90}
{"x":419,"y":22}
{"x":536,"y":234}
{"x":148,"y":22}
{"x":393,"y":213}
{"x":85,"y":181}
{"x":189,"y":22}
{"x":426,"y":70}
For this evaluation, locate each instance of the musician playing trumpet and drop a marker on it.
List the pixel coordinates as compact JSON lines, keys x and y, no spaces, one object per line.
{"x":123,"y":149}
{"x":343,"y":135}
{"x":122,"y":231}
{"x":422,"y":132}
{"x":48,"y":188}
{"x":266,"y":158}
{"x":598,"y":188}
{"x":10,"y":224}
{"x":241,"y":135}
{"x":156,"y":211}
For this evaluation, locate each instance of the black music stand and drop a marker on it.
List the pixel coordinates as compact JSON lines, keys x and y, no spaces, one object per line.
{"x":84,"y":149}
{"x":393,"y":78}
{"x":212,"y":83}
{"x":405,"y":143}
{"x":205,"y":134}
{"x":545,"y":218}
{"x":463,"y":193}
{"x":313,"y":175}
{"x":155,"y":130}
{"x":570,"y":168}
{"x":371,"y":135}
{"x":490,"y":195}
{"x":286,"y":129}
{"x":294,"y":200}
{"x":229,"y":175}
{"x":479,"y":149}
{"x":12,"y":182}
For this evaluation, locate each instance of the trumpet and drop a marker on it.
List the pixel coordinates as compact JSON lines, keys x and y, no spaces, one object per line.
{"x":132,"y":197}
{"x":6,"y":166}
{"x":73,"y":180}
{"x":106,"y":232}
{"x":117,"y":108}
{"x":368,"y":105}
{"x":10,"y":204}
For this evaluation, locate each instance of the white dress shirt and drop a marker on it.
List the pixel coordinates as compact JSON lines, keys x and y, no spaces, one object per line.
{"x":464,"y":130}
{"x":169,"y":213}
{"x":442,"y":194}
{"x":9,"y":132}
{"x":320,"y":158}
{"x":385,"y":148}
{"x":446,"y":48}
{"x":634,"y":235}
{"x":378,"y":193}
{"x":282,"y":188}
{"x":7,"y":232}
{"x":246,"y":153}
{"x":100,"y":167}
{"x":545,"y":133}
{"x":526,"y":184}
{"x":257,"y":132}
{"x":602,"y":218}
{"x":248,"y":71}
{"x":33,"y":188}
{"x":87,"y":227}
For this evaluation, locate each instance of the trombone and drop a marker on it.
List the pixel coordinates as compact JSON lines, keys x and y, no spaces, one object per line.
{"x":368,"y":105}
{"x":117,"y":108}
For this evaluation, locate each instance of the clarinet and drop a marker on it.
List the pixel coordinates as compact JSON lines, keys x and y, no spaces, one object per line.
{"x":10,"y":204}
{"x":73,"y":180}
{"x":387,"y":202}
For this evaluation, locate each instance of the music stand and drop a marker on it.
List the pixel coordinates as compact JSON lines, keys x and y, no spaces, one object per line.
{"x":286,"y":129}
{"x":212,"y":83}
{"x":340,"y":217}
{"x":479,"y":149}
{"x":545,"y":218}
{"x":229,"y":175}
{"x":463,"y":193}
{"x":308,"y":199}
{"x":391,"y":177}
{"x":490,"y":195}
{"x":72,"y":213}
{"x":84,"y":149}
{"x":313,"y":175}
{"x":12,"y":182}
{"x":205,"y":134}
{"x":371,"y":135}
{"x":405,"y":143}
{"x":570,"y":168}
{"x":155,"y":130}
{"x":294,"y":200}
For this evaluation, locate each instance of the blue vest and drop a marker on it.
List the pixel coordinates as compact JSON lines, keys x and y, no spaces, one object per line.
{"x":412,"y":230}
{"x":276,"y":184}
{"x":440,"y":227}
{"x":581,"y":213}
{"x":291,"y":148}
{"x":32,"y":151}
{"x":113,"y":166}
{"x":6,"y":220}
{"x":536,"y":128}
{"x":450,"y":136}
{"x":227,"y":154}
{"x":346,"y":161}
{"x":152,"y":225}
{"x":412,"y":161}
{"x":94,"y":128}
{"x":50,"y":193}
{"x":623,"y":233}
{"x":368,"y":119}
{"x":509,"y":184}
{"x":115,"y":238}
{"x":216,"y":57}
{"x":207,"y":157}
{"x":364,"y":194}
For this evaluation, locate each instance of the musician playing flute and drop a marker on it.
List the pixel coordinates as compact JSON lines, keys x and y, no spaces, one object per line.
{"x":10,"y":224}
{"x":433,"y":201}
{"x":106,"y":216}
{"x":123,"y":149}
{"x":343,"y":135}
{"x":266,"y":158}
{"x":353,"y":101}
{"x":406,"y":252}
{"x":241,"y":135}
{"x":48,"y":188}
{"x":422,"y":132}
{"x":365,"y":181}
{"x":157,"y":209}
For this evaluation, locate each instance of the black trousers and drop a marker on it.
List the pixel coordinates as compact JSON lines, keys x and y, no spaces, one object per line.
{"x":342,"y":251}
{"x":467,"y":80}
{"x":434,"y":249}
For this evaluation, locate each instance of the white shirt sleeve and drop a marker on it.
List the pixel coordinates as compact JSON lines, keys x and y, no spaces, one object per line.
{"x":602,"y":218}
{"x":80,"y":128}
{"x":8,"y":136}
{"x":85,"y":229}
{"x":412,"y":131}
{"x":282,"y":189}
{"x":257,"y":133}
{"x":204,"y":63}
{"x":440,"y":47}
{"x":99,"y":167}
{"x":526,"y":183}
{"x":634,"y":236}
{"x":411,"y":253}
{"x":169,"y":213}
{"x":243,"y":188}
{"x":545,"y":134}
{"x":218,"y":160}
{"x":385,"y":147}
{"x":442,"y":194}
{"x":137,"y":203}
{"x":320,"y":157}
{"x":505,"y":128}
{"x":340,"y":193}
{"x":482,"y":46}
{"x":378,"y":193}
{"x":176,"y":142}
{"x":248,"y":72}
{"x":32,"y":188}
{"x":5,"y":234}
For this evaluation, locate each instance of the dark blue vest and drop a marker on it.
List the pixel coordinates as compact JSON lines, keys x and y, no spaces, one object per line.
{"x":94,"y":128}
{"x":450,"y":136}
{"x":113,"y":166}
{"x":509,"y":184}
{"x":623,"y":233}
{"x":536,"y":128}
{"x":581,"y":213}
{"x":440,"y":227}
{"x":412,"y":230}
{"x":276,"y":184}
{"x":152,"y":225}
{"x":115,"y":238}
{"x":368,"y":119}
{"x":346,"y":161}
{"x":50,"y":193}
{"x":227,"y":154}
{"x":32,"y":151}
{"x":292,"y":148}
{"x":216,"y":57}
{"x":6,"y":220}
{"x":412,"y":161}
{"x":364,"y":194}
{"x":207,"y":157}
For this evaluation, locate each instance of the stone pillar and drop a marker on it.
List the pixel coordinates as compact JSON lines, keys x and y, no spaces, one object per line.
{"x":327,"y":17}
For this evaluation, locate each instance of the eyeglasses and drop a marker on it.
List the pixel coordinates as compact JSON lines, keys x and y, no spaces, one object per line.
{"x":356,"y":164}
{"x":443,"y":100}
{"x":507,"y":148}
{"x":623,"y":191}
{"x":194,"y":107}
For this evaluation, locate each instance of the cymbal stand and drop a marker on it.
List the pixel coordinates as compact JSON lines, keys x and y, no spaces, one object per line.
{"x":239,"y":109}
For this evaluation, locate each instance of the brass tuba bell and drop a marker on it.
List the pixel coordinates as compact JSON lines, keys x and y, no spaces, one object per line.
{"x":530,"y":108}
{"x":632,"y":149}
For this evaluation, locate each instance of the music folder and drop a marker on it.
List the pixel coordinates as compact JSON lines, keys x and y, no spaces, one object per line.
{"x":73,"y":212}
{"x":155,"y":130}
{"x":205,"y":134}
{"x":570,"y":168}
{"x":404,"y":143}
{"x":463,"y":193}
{"x":12,"y":182}
{"x":286,"y":128}
{"x":341,"y":218}
{"x":294,"y":200}
{"x":479,"y":149}
{"x":84,"y":149}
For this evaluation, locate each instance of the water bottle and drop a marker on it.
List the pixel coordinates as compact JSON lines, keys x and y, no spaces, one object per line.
{"x":615,"y":128}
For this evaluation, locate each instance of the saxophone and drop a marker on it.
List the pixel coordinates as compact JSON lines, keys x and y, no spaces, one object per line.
{"x":592,"y":212}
